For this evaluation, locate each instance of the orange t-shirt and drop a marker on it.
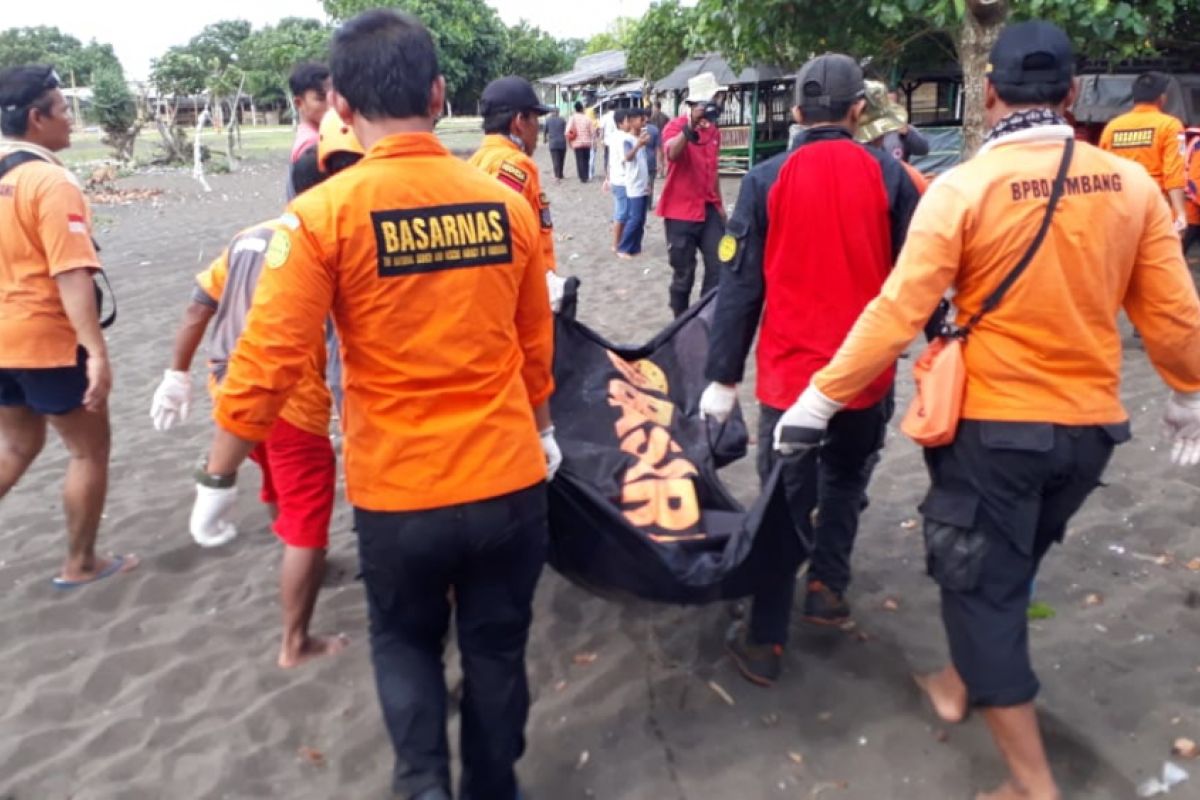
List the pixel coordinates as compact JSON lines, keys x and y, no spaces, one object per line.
{"x":45,"y":230}
{"x":229,"y":283}
{"x":500,"y":157}
{"x":1051,"y":351}
{"x":1152,"y":139}
{"x":434,"y":276}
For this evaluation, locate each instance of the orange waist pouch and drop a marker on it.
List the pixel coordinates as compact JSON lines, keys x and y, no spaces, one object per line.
{"x":941,"y":378}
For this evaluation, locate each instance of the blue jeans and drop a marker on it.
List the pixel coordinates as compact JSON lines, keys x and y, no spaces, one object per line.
{"x":635,"y":226}
{"x":491,"y":552}
{"x":620,"y":205}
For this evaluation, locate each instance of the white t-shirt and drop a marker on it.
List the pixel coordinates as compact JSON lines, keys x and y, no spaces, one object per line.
{"x":637,"y":171}
{"x":614,"y":138}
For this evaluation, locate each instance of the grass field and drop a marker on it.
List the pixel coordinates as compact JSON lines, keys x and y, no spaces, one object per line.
{"x":87,"y":149}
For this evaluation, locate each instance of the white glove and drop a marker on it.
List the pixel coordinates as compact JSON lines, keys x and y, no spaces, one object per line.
{"x":802,"y":427}
{"x":555,"y":285}
{"x":211,"y":525}
{"x":1181,"y":224}
{"x":1182,"y":421}
{"x":554,"y":456}
{"x":718,"y":401}
{"x":172,"y":400}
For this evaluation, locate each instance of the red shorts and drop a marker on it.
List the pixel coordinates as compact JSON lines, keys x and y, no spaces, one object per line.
{"x":299,"y":471}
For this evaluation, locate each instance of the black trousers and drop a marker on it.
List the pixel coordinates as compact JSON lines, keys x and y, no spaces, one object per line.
{"x":1190,"y":237}
{"x":1001,"y":494}
{"x":557,"y":157}
{"x":491,"y":552}
{"x":683,"y":240}
{"x":835,"y":483}
{"x":583,"y":163}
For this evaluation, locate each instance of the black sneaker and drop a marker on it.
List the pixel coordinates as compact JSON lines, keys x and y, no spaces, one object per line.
{"x":824,"y":606}
{"x":760,"y":664}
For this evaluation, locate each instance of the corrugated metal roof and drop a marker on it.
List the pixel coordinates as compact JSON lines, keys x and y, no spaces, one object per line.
{"x":597,"y":66}
{"x":719,"y":67}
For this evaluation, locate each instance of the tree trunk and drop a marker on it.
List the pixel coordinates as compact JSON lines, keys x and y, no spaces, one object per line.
{"x":197,"y":163}
{"x":974,"y":48}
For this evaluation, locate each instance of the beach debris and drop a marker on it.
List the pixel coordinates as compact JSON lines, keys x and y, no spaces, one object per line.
{"x":1116,"y":548}
{"x":1194,"y":564}
{"x":770,"y":720}
{"x":1185,"y":748}
{"x":940,"y":735}
{"x":122,"y":197}
{"x":1172,"y":776}
{"x":862,"y":741}
{"x":720,"y":692}
{"x":1040,"y":611}
{"x":825,"y":716}
{"x":825,"y":786}
{"x":312,"y":756}
{"x":796,"y":758}
{"x":584,"y":757}
{"x":584,"y":659}
{"x":558,"y":687}
{"x":1093,"y":599}
{"x":891,"y":604}
{"x":908,"y":524}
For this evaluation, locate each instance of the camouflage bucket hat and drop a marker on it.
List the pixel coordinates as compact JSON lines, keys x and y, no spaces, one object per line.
{"x":881,"y":115}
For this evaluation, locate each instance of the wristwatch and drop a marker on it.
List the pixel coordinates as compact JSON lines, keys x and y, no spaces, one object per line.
{"x":206,"y":478}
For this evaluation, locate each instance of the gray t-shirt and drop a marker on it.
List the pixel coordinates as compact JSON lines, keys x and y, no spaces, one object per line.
{"x":556,"y":132}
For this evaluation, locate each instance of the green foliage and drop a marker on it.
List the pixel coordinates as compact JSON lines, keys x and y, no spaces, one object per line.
{"x":178,"y":72}
{"x":904,"y":32}
{"x":661,"y":39}
{"x":615,"y":38}
{"x":268,"y":55}
{"x":116,"y":111}
{"x":47,"y":45}
{"x":470,"y":38}
{"x":532,"y":53}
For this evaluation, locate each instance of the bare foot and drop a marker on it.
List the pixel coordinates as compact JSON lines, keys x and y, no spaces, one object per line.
{"x":946,"y":694}
{"x":101,"y":568}
{"x":312,"y":647}
{"x":1011,"y":791}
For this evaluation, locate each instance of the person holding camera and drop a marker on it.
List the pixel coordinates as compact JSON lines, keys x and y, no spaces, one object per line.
{"x":690,"y":205}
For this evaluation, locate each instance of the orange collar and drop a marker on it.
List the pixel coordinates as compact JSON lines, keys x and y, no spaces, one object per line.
{"x":399,"y":145}
{"x":500,"y":140}
{"x":1146,"y":108}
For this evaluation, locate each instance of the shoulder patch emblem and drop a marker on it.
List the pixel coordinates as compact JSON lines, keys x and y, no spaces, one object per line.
{"x":727,"y":248}
{"x":514,"y":172}
{"x":279,"y":250}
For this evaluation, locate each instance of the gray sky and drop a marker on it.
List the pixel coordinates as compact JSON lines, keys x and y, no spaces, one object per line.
{"x":139,"y":31}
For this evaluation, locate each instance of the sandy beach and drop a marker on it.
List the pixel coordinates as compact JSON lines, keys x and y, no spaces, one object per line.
{"x":163,"y":684}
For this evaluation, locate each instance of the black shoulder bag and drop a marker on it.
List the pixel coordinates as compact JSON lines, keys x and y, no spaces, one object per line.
{"x":14,"y":160}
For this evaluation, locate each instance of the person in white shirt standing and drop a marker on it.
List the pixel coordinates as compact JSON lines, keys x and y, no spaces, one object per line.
{"x":634,"y":141}
{"x":615,"y":171}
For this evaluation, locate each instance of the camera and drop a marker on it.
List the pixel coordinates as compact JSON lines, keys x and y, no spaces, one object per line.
{"x":712,"y":112}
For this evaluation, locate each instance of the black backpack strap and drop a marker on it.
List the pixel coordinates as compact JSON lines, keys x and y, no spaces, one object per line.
{"x":14,"y":160}
{"x":1056,"y":194}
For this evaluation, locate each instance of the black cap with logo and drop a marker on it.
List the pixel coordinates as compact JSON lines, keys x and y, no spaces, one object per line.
{"x":829,"y":80}
{"x":510,"y":94}
{"x":1031,"y":53}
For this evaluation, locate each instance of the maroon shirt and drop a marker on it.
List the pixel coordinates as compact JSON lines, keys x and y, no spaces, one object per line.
{"x":692,"y":178}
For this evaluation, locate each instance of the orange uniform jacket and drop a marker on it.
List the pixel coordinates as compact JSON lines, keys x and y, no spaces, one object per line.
{"x":434,"y":276}
{"x":501,"y":158}
{"x":1051,"y":351}
{"x":228,"y":286}
{"x":1152,"y":139}
{"x":45,"y":230}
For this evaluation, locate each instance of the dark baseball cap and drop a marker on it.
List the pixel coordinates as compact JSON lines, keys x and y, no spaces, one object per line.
{"x":510,"y":94}
{"x":829,"y":80}
{"x":1030,"y":53}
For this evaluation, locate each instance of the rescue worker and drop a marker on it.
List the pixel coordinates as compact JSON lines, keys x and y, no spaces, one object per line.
{"x":1154,"y":139}
{"x":690,"y":204}
{"x":1192,"y":190}
{"x":1042,"y":409}
{"x":434,"y":276}
{"x":813,"y":236}
{"x":511,"y":110}
{"x":297,"y":460}
{"x":54,"y":363}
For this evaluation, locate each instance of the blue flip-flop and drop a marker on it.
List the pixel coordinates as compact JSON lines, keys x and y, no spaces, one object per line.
{"x":117,"y":564}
